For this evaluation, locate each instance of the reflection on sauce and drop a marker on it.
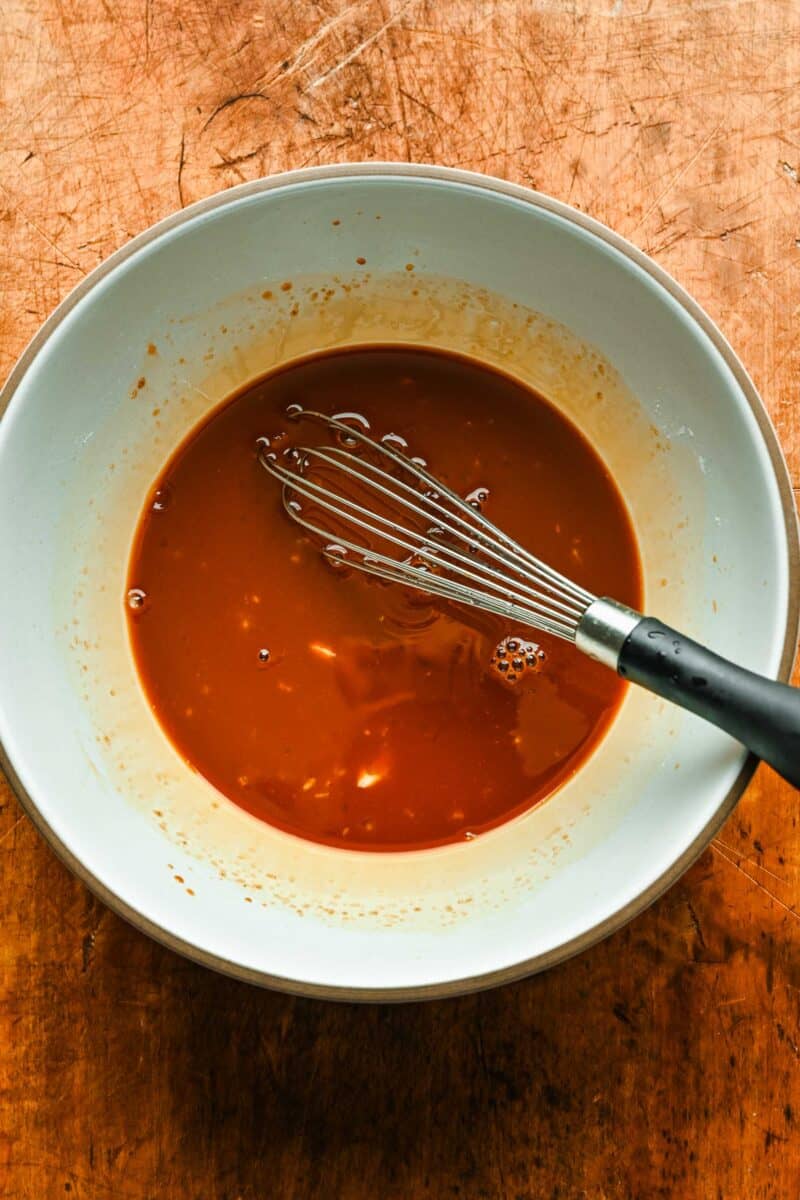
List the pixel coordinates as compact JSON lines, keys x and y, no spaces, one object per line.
{"x":340,"y":709}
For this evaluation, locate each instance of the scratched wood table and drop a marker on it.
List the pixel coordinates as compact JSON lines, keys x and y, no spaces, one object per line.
{"x":665,"y":1062}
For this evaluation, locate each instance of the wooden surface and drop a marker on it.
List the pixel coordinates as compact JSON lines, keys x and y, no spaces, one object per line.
{"x":665,"y":1062}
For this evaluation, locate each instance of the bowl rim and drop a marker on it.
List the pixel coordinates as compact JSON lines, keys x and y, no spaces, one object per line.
{"x":538,"y":200}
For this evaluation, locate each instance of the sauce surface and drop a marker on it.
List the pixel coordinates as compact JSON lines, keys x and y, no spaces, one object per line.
{"x":347,"y":711}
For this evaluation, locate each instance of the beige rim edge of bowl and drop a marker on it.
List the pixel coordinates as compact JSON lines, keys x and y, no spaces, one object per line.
{"x":603,"y":929}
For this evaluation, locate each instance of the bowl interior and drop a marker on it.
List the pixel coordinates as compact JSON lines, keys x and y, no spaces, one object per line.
{"x":194,"y":309}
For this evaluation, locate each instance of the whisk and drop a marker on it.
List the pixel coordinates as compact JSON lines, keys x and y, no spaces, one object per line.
{"x":382,"y":512}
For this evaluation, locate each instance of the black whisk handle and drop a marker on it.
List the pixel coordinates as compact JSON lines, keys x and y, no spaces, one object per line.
{"x":760,"y":713}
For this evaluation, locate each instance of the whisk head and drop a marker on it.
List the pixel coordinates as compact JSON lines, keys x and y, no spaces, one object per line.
{"x":382,"y":512}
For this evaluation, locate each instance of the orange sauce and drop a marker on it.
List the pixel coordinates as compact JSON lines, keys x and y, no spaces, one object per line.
{"x":342,"y":710}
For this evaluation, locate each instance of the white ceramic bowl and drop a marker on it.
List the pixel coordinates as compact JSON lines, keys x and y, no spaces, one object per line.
{"x":172,"y":323}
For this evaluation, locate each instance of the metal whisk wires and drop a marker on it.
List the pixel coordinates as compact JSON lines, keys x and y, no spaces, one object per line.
{"x":389,"y":517}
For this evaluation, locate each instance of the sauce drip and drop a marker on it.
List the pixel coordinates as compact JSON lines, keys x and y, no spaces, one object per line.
{"x":333,"y":706}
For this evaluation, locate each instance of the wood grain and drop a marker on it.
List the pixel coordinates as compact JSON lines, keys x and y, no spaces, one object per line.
{"x":665,"y":1062}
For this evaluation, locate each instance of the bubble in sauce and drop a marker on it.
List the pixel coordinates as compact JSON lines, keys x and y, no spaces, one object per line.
{"x":352,"y":418}
{"x":137,"y":599}
{"x":395,"y":442}
{"x":294,"y":412}
{"x":357,"y":421}
{"x":263,"y":656}
{"x":161,"y":499}
{"x":335,"y":555}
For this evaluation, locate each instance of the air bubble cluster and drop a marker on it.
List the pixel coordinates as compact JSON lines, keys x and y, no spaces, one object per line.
{"x":515,"y":658}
